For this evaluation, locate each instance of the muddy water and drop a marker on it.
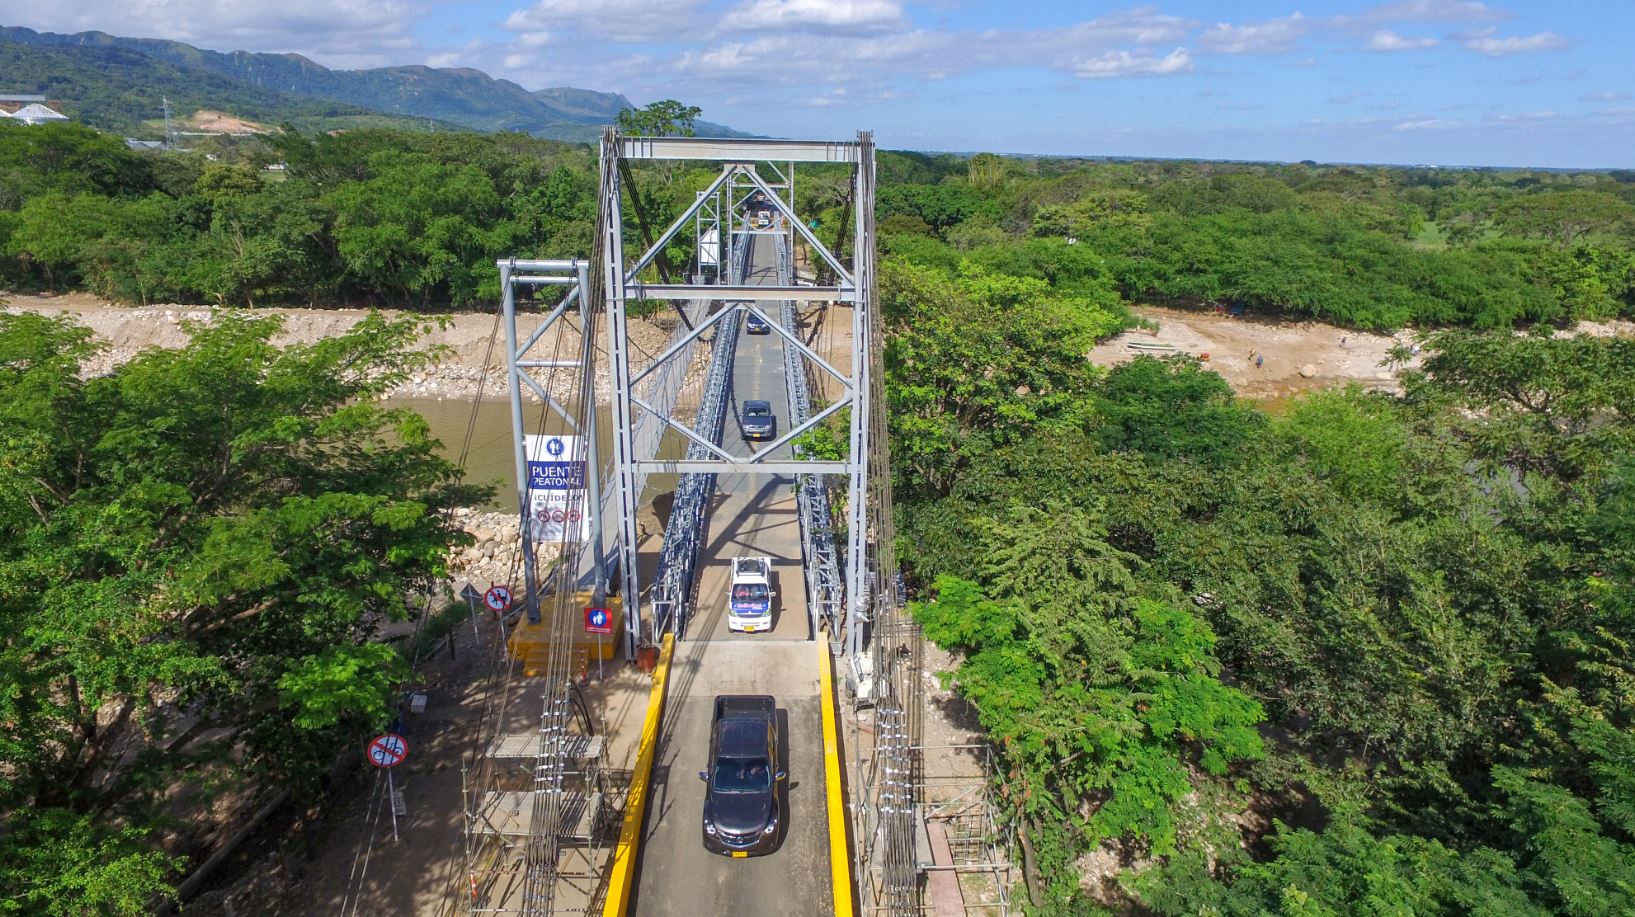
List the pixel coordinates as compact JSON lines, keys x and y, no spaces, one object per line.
{"x":491,"y":458}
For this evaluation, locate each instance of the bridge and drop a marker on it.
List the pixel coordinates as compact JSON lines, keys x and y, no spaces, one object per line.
{"x":550,"y":826}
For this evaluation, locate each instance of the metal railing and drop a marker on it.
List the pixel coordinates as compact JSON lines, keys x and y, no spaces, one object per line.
{"x":673,"y":584}
{"x":819,"y":554}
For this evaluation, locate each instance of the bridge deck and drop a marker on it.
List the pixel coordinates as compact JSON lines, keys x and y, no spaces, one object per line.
{"x":753,"y":514}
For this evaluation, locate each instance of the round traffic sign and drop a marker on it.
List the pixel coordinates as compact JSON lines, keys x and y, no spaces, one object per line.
{"x":388,"y":750}
{"x":498,"y":598}
{"x":598,"y":621}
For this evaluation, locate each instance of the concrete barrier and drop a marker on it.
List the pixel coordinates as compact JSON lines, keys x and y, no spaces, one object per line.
{"x":840,"y":861}
{"x":622,"y":877}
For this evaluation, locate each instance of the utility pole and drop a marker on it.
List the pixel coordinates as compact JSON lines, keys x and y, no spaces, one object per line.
{"x":170,"y":137}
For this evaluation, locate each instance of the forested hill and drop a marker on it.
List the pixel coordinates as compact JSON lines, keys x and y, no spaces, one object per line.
{"x":119,"y":90}
{"x":242,"y":80}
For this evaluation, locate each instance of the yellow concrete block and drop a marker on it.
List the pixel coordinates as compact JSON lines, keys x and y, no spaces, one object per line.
{"x":530,"y":643}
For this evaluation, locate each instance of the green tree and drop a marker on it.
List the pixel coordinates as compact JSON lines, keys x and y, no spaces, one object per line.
{"x":417,"y":226}
{"x":1172,"y":408}
{"x":664,"y":118}
{"x":195,"y":551}
{"x":1106,"y":706}
{"x":1567,"y":217}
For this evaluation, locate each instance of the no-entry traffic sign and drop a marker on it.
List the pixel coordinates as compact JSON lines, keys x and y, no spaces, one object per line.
{"x":498,"y":598}
{"x":388,"y":750}
{"x":598,"y":621}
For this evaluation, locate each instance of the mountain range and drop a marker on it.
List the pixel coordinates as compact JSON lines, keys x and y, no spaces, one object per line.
{"x":108,"y":81}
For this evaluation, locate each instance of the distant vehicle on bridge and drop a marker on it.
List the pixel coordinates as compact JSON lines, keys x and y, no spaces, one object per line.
{"x":758,"y":211}
{"x":743,"y":806}
{"x":755,"y":324}
{"x":758,"y":421}
{"x":749,"y":604}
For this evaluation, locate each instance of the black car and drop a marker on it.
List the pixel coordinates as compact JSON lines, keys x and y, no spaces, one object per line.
{"x":743,"y":808}
{"x":755,"y":324}
{"x":758,"y":421}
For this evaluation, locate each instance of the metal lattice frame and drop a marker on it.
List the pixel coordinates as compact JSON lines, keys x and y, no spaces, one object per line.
{"x":820,"y":557}
{"x":621,"y":283}
{"x":673,"y":583}
{"x":514,"y":860}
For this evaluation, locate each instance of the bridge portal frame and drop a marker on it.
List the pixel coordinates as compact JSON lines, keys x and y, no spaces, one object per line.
{"x":620,"y":283}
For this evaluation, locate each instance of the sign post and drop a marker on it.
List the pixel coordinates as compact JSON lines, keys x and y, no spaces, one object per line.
{"x":388,"y":751}
{"x":599,"y":622}
{"x":473,"y":599}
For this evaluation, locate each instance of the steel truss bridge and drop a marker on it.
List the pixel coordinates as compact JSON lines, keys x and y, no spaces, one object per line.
{"x":541,"y":809}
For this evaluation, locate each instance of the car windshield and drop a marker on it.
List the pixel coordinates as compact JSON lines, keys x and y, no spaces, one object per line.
{"x":749,"y":592}
{"x":741,"y":775}
{"x":758,"y":410}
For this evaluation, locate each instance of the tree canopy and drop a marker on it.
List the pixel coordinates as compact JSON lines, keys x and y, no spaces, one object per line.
{"x":195,"y":550}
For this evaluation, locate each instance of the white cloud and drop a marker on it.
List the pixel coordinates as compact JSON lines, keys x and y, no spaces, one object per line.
{"x":884,"y":60}
{"x":1123,"y":63}
{"x":849,"y":17}
{"x":1604,"y":96}
{"x":1522,"y":117}
{"x":615,"y":20}
{"x":1421,"y":124}
{"x":1427,"y":11}
{"x":1387,"y":40}
{"x":1485,"y":42}
{"x":1271,"y":37}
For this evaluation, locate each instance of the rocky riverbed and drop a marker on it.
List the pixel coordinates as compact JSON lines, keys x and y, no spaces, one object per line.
{"x":472,"y":344}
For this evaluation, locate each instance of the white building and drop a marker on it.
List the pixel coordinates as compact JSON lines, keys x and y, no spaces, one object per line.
{"x":29,"y":109}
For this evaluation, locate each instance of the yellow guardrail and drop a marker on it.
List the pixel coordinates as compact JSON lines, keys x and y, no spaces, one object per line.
{"x":623,"y":872}
{"x":840,"y":862}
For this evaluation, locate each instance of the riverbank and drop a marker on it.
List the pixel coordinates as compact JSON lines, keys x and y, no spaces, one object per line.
{"x":1270,"y":359}
{"x":472,"y":362}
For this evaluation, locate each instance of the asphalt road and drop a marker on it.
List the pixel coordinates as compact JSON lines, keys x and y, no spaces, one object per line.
{"x":752,"y":514}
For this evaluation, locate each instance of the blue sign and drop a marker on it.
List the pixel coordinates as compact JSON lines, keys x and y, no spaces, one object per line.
{"x":555,"y":447}
{"x":598,"y":621}
{"x":556,"y":475}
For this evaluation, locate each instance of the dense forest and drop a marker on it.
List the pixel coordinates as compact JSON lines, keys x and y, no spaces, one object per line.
{"x":1368,"y":655}
{"x":417,"y":219}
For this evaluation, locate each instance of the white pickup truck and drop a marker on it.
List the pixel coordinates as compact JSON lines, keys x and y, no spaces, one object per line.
{"x":749,"y":604}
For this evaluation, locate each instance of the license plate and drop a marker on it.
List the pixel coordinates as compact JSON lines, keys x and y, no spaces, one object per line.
{"x":749,"y":630}
{"x":739,"y":854}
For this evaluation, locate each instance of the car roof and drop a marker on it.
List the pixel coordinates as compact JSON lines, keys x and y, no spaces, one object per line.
{"x":752,"y":405}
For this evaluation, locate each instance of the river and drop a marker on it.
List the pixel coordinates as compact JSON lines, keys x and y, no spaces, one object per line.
{"x":491,"y":458}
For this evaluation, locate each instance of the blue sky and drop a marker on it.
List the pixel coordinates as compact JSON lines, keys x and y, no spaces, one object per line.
{"x":1447,"y":82}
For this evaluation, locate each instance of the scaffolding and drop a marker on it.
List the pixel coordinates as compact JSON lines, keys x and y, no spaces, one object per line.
{"x":535,"y":802}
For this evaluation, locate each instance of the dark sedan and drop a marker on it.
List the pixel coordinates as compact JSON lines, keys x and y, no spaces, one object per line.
{"x":758,"y":421}
{"x":755,"y":324}
{"x":742,"y":806}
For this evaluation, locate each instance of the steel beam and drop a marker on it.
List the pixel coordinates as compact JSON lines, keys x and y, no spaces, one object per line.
{"x":741,"y":466}
{"x":724,"y":150}
{"x":676,"y":225}
{"x":624,"y":444}
{"x":857,"y":534}
{"x":788,"y":211}
{"x":740,"y":293}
